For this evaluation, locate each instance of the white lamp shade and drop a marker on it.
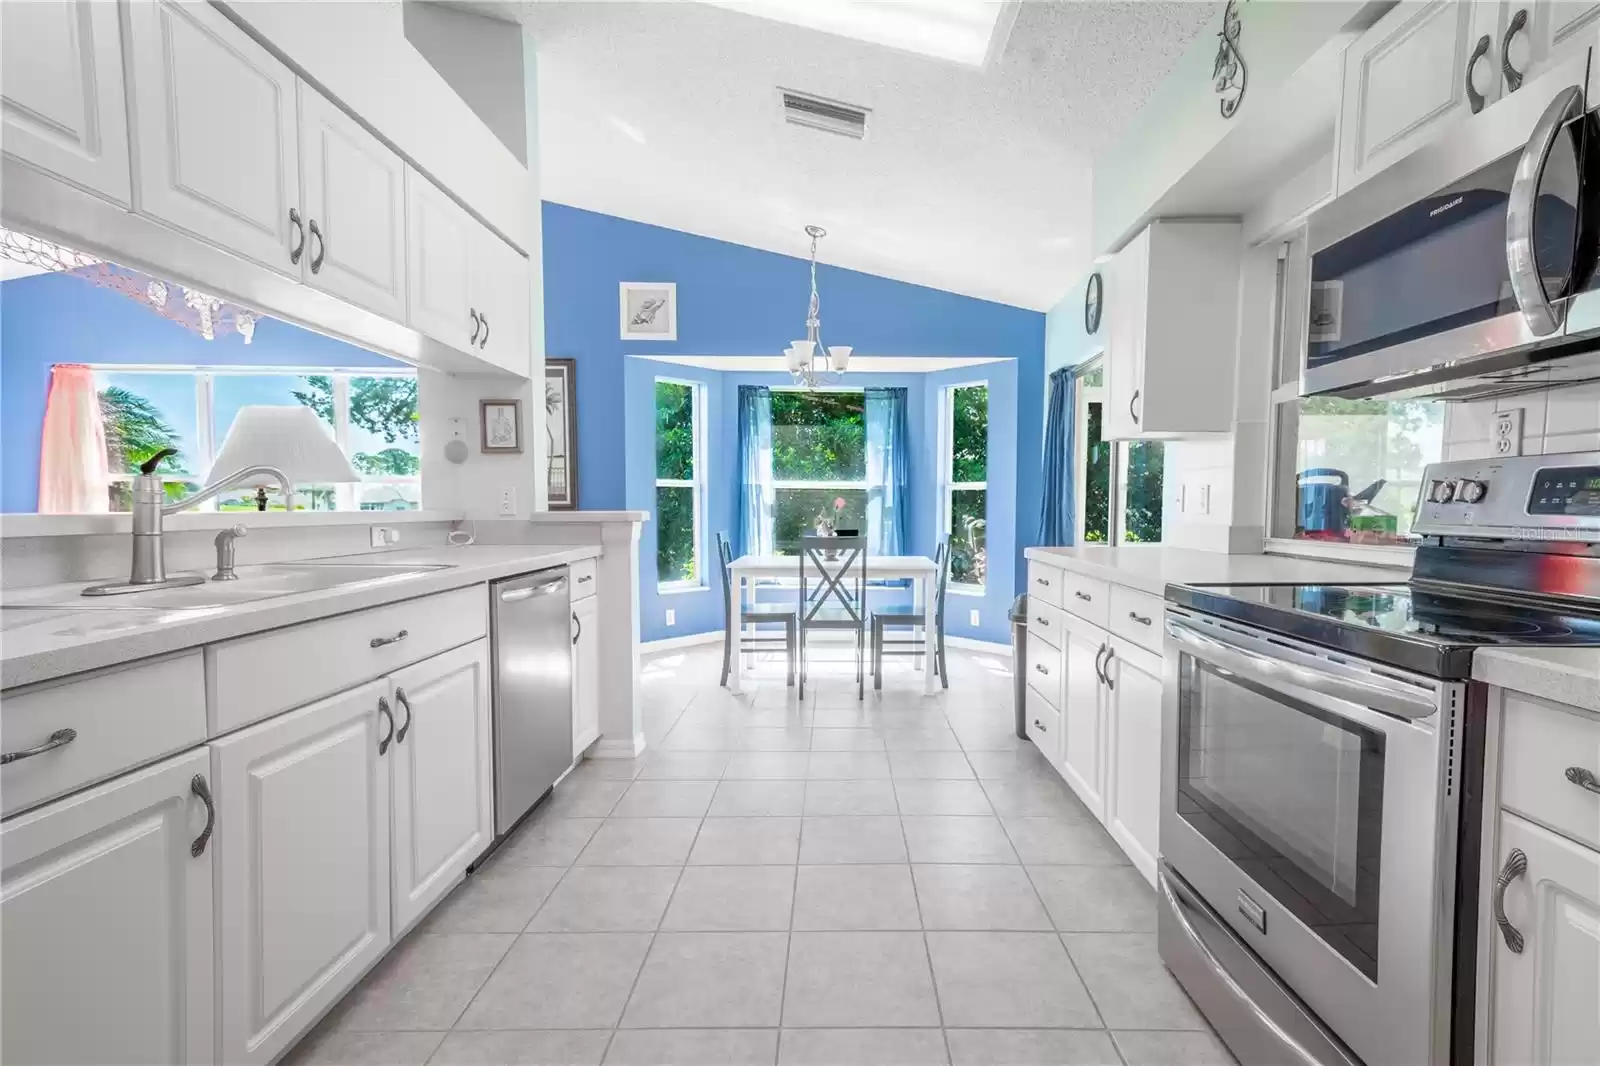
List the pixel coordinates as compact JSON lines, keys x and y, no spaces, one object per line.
{"x":805,"y":349}
{"x":795,"y":360}
{"x":839,"y":357}
{"x":291,"y":438}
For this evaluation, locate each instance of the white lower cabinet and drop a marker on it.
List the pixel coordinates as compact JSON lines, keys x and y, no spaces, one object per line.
{"x":1133,"y":806}
{"x":106,"y":923}
{"x":1083,"y":713}
{"x":443,"y":812}
{"x":1546,"y":995}
{"x":303,"y":847}
{"x":585,"y":674}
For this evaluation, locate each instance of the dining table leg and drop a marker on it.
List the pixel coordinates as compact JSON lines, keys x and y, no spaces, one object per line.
{"x":918,"y":600}
{"x":929,"y":638}
{"x":736,"y":623}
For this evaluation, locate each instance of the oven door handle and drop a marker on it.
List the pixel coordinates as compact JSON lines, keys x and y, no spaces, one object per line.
{"x":1390,"y":698}
{"x":1522,"y":257}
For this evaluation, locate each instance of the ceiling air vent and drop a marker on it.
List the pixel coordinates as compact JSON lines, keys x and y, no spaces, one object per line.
{"x":803,"y":109}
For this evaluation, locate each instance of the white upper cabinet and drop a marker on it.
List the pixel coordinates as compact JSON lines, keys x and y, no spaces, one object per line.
{"x":1545,"y":995}
{"x":106,"y":923}
{"x":354,"y":209}
{"x":439,"y":236}
{"x":61,"y":93}
{"x":498,"y":283}
{"x":443,"y":809}
{"x":1172,"y":302}
{"x":303,"y":828}
{"x":214,"y":123}
{"x":1535,"y":35}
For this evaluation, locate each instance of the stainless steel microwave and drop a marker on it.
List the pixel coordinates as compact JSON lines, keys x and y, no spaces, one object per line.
{"x":1468,"y":267}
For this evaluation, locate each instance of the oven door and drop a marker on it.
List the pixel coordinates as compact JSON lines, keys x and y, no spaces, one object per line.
{"x":1459,"y":259}
{"x":1307,"y":798}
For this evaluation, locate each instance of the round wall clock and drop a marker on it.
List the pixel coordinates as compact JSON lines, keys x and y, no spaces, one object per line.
{"x":1092,"y":301}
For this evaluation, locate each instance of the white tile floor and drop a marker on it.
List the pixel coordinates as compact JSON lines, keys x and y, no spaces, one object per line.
{"x":793,"y":882}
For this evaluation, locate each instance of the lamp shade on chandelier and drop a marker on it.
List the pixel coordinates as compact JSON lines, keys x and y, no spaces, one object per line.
{"x":810,"y":362}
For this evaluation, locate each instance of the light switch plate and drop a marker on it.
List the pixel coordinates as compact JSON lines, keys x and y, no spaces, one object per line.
{"x":672,"y":617}
{"x":1505,"y":436}
{"x":974,"y":617}
{"x":384,"y":536}
{"x":508,"y":502}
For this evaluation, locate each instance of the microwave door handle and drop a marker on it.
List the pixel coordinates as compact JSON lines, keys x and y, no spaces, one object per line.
{"x":1522,"y":260}
{"x":1391,"y":698}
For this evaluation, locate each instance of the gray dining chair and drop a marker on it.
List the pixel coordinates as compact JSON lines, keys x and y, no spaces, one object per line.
{"x":908,"y":616}
{"x":833,"y":596}
{"x":757,"y":614}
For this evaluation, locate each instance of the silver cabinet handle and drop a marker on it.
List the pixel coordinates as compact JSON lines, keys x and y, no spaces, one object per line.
{"x":59,"y":738}
{"x":1040,"y":726}
{"x":1105,"y":669}
{"x":1131,"y":412}
{"x":400,"y":698}
{"x":383,"y":709}
{"x":1137,"y":617}
{"x":1582,"y":778}
{"x":549,"y":588}
{"x":579,"y":623}
{"x":1084,"y":596}
{"x":584,"y":579}
{"x":378,"y":642}
{"x":1519,"y":21}
{"x":1474,"y":97}
{"x":198,"y":786}
{"x":476,"y":325}
{"x":1097,"y":657}
{"x":1042,"y":581}
{"x":1041,"y":668}
{"x":300,"y":245}
{"x":322,"y":246}
{"x":485,"y":320}
{"x":1042,"y":622}
{"x":1516,"y":865}
{"x":1522,"y":253}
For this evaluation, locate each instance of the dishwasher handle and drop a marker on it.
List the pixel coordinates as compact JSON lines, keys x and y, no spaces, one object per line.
{"x":549,"y":588}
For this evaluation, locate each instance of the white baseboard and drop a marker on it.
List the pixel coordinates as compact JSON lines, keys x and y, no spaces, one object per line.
{"x":627,"y":748}
{"x":974,"y":644}
{"x":713,"y":636}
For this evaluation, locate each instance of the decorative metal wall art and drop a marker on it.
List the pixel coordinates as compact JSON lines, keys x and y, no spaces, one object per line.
{"x":1228,"y":76}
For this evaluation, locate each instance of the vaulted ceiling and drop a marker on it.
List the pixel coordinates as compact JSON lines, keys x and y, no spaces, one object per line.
{"x":974,"y":180}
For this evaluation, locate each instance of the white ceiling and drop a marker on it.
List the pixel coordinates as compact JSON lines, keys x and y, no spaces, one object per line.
{"x":971,"y":180}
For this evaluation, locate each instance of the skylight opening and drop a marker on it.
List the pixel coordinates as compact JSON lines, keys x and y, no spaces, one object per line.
{"x":959,"y":31}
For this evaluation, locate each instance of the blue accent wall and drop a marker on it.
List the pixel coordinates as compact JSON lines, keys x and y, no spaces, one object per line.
{"x":57,"y":318}
{"x":740,"y":301}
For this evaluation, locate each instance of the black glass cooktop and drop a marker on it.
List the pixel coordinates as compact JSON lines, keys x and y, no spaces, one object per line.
{"x":1421,"y":630}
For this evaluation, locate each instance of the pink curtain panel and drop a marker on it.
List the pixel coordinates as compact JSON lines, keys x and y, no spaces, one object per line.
{"x":73,"y":473}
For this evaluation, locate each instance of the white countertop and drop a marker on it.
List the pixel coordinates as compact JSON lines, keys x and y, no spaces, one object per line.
{"x":68,"y":641}
{"x":1151,"y":567}
{"x":1561,"y":675}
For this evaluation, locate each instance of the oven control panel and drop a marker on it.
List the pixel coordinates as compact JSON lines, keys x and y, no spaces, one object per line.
{"x":1524,"y":497}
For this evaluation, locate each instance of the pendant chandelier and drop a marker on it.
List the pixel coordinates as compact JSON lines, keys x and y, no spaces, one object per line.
{"x":810,"y":363}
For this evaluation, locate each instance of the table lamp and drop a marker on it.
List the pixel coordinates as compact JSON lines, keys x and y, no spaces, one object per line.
{"x":291,"y":438}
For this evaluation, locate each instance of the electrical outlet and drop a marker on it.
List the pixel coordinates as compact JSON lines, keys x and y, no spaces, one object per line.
{"x":1506,"y":436}
{"x":508,"y":501}
{"x":672,"y":617}
{"x":974,"y":618}
{"x":384,"y":536}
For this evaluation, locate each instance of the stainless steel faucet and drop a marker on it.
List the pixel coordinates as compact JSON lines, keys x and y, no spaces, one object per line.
{"x":224,"y":544}
{"x":149,"y":570}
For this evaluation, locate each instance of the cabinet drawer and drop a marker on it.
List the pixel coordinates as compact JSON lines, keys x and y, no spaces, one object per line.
{"x":1542,"y":742}
{"x":1047,"y":623}
{"x":1043,"y":725}
{"x":1087,"y":597}
{"x":123,"y":718}
{"x":254,"y":677}
{"x":582,"y":579}
{"x":1136,"y":616}
{"x":1044,"y":669}
{"x":1044,"y":582}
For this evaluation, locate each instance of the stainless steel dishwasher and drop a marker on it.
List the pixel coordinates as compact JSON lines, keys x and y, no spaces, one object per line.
{"x":531,"y":630}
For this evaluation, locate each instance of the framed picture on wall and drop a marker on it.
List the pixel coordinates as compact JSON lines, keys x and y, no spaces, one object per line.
{"x":501,"y":424}
{"x":649,"y":310}
{"x":561,"y":431}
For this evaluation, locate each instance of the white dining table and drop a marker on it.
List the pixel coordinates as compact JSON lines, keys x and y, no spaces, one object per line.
{"x":753,"y":568}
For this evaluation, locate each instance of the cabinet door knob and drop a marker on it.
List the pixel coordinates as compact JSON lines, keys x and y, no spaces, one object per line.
{"x":198,"y":786}
{"x":1474,"y":97}
{"x":400,"y":698}
{"x":1516,"y":865}
{"x":60,"y":738}
{"x":1518,"y":23}
{"x":1582,"y":778}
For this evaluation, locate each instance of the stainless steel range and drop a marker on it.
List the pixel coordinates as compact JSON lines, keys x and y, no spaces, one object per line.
{"x":1321,"y":769}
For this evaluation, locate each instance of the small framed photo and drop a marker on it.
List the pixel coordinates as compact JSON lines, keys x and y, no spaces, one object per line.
{"x":502,"y":426}
{"x":561,"y":432}
{"x":649,"y":311}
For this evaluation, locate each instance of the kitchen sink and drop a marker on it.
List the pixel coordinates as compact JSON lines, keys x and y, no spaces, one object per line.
{"x":260,"y":581}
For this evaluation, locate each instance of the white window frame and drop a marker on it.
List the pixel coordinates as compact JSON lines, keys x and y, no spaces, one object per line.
{"x":697,"y":483}
{"x":949,"y":487}
{"x":1084,"y":395}
{"x":1289,"y":299}
{"x":205,"y":411}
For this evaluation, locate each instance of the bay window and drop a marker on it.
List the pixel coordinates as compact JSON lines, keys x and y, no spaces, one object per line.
{"x":963,"y":482}
{"x":819,"y":463}
{"x":680,"y":484}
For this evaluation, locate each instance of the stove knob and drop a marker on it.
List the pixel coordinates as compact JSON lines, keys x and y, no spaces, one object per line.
{"x":1471,"y":491}
{"x":1443,"y":491}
